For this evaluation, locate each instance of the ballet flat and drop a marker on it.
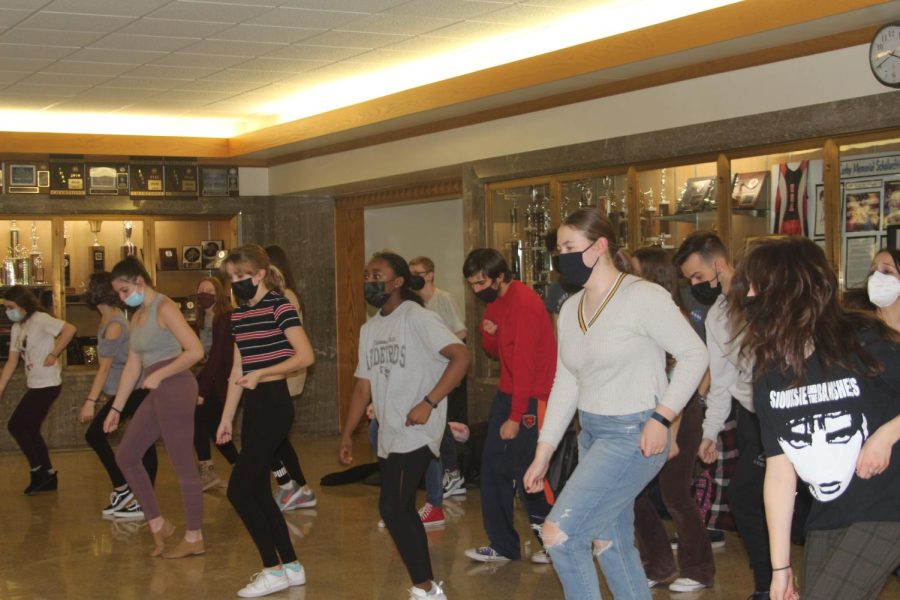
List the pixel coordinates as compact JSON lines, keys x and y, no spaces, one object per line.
{"x":159,"y":538}
{"x":185,"y":549}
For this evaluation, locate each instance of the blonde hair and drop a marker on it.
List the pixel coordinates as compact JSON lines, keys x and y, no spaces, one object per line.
{"x":250,"y":258}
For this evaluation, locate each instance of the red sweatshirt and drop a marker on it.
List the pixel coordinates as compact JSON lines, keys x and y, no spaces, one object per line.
{"x":525,"y":345}
{"x":213,"y":377}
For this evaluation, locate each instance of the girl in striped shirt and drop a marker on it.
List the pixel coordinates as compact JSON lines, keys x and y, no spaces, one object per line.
{"x":269,"y":344}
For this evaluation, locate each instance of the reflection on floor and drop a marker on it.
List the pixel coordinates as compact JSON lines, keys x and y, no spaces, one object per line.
{"x":56,"y":545}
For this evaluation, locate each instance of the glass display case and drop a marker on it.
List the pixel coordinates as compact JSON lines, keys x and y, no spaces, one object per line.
{"x":606,"y":192}
{"x":676,"y":201}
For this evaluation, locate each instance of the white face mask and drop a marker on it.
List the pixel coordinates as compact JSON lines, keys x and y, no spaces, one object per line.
{"x":883,"y":289}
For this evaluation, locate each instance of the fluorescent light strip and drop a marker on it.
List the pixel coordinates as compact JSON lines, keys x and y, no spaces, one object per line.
{"x":119,"y":124}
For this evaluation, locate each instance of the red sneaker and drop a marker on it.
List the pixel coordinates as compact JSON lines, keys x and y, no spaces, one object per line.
{"x":431,"y":515}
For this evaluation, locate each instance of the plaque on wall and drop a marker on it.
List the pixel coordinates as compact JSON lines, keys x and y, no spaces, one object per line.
{"x":108,"y":180}
{"x":751,"y":190}
{"x":168,"y":259}
{"x":28,"y":178}
{"x":191,"y":258}
{"x":146,"y":179}
{"x":181,"y":180}
{"x":66,"y":178}
{"x":219,"y":181}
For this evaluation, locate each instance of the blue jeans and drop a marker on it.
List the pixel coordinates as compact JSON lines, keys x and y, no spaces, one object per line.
{"x":598,"y":504}
{"x":503,"y":466}
{"x":434,"y":475}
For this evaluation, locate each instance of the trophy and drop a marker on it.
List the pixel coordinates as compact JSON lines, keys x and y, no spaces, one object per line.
{"x":67,"y":270}
{"x":98,"y":252}
{"x":19,"y":273}
{"x":36,"y":259}
{"x":663,"y":197}
{"x":128,"y":248}
{"x":514,"y":245}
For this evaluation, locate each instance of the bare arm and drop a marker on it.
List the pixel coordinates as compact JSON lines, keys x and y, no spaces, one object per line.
{"x":130,"y":375}
{"x":113,"y":331}
{"x":232,"y":398}
{"x":453,"y":373}
{"x":778,"y":491}
{"x":362,"y":391}
{"x":62,"y":340}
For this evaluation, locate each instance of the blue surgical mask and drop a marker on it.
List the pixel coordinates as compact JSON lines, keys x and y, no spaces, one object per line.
{"x":14,"y":314}
{"x":135,"y":299}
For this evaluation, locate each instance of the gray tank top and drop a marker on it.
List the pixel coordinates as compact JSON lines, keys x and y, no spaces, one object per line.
{"x":150,"y":341}
{"x":116,"y":349}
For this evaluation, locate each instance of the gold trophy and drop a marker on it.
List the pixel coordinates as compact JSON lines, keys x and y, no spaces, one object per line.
{"x":97,"y":252}
{"x":128,"y":248}
{"x":36,"y":259}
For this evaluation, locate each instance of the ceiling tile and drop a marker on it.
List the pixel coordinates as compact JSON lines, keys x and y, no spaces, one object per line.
{"x":70,"y":22}
{"x":212,"y":12}
{"x":383,"y":58}
{"x":364,"y":6}
{"x":7,"y":77}
{"x":429,"y":45}
{"x":10,"y":17}
{"x":397,"y":24}
{"x":29,"y":4}
{"x":28,"y":65}
{"x":83,"y":81}
{"x":191,"y":97}
{"x":27,"y":89}
{"x":129,"y":94}
{"x":309,"y":19}
{"x":121,"y":41}
{"x":446,"y":9}
{"x":308,"y":51}
{"x":475,"y":31}
{"x":206,"y":61}
{"x":79,"y":104}
{"x":569,"y":5}
{"x":242,"y":76}
{"x":231,"y":48}
{"x":170,"y":72}
{"x":523,"y":16}
{"x":29,"y":51}
{"x":133,"y":80}
{"x":281,"y":65}
{"x":110,"y":55}
{"x":266,"y":33}
{"x":202,"y":85}
{"x":347,"y":39}
{"x":172,"y":28}
{"x":34,"y":102}
{"x":46,"y":37}
{"x":104,"y":7}
{"x":88,"y":68}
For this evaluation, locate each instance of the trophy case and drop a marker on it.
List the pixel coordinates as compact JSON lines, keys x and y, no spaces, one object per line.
{"x":676,"y":201}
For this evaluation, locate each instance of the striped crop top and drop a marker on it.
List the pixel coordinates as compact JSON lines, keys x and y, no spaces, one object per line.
{"x":259,"y":331}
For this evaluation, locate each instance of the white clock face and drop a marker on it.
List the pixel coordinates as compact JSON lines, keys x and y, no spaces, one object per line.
{"x":884,"y":55}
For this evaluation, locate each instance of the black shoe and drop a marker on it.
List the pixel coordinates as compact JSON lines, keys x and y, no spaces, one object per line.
{"x":44,"y":481}
{"x":34,"y":480}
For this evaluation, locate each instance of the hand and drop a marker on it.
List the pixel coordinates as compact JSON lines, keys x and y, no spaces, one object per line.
{"x":419,"y":414}
{"x":199,"y":400}
{"x":489,"y":327}
{"x":370,"y":411}
{"x":50,"y":360}
{"x":87,"y":411}
{"x":345,"y":450}
{"x":874,"y":457}
{"x":151,"y":381}
{"x":249,"y":381}
{"x":782,"y":587}
{"x":673,"y":451}
{"x":534,"y":476}
{"x":224,"y":433}
{"x":653,"y":438}
{"x":707,"y":452}
{"x":509,"y":430}
{"x":111,"y":423}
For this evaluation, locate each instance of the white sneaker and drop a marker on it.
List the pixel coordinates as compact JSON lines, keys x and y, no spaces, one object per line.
{"x":454,"y":484}
{"x":685,"y":584}
{"x":264,"y":583}
{"x":541,"y":557}
{"x":381,"y":524}
{"x":117,"y":501}
{"x":295,"y":576}
{"x":303,"y":497}
{"x":435,"y":593}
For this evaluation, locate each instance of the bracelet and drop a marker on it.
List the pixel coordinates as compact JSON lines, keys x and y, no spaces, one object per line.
{"x":661,"y":419}
{"x":782,"y":568}
{"x":91,"y":401}
{"x":115,"y":409}
{"x":430,"y":403}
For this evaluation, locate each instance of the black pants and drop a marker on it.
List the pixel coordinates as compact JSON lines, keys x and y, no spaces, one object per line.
{"x":206,"y":424}
{"x":25,"y":424}
{"x":503,"y":467}
{"x":286,"y":458}
{"x":400,"y":477}
{"x":268,"y":414}
{"x":745,"y":497}
{"x":449,"y":459}
{"x":97,"y":440}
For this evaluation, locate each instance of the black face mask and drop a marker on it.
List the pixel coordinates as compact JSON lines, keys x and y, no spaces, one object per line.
{"x":244,"y":289}
{"x":572,"y":267}
{"x":705,"y":293}
{"x":488,"y":294}
{"x":375,"y":294}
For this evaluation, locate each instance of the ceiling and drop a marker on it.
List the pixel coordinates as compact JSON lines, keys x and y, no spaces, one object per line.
{"x":206,"y":72}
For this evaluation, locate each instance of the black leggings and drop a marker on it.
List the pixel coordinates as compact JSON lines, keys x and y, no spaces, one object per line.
{"x":98,"y":440}
{"x":286,"y":458}
{"x":268,"y":414}
{"x":206,"y":425}
{"x":25,"y":424}
{"x":400,"y":478}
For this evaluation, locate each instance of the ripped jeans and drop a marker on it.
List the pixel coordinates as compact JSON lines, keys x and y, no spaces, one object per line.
{"x":598,"y":504}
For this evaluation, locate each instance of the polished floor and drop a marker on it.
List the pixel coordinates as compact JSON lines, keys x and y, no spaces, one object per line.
{"x":56,"y":545}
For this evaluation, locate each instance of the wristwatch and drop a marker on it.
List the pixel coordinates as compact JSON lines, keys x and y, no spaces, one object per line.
{"x":661,"y":419}
{"x":429,"y":402}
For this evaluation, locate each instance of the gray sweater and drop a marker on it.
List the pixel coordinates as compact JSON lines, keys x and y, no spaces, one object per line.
{"x":618,"y":366}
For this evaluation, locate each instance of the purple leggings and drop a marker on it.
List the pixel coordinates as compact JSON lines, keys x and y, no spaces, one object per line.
{"x":168,"y":411}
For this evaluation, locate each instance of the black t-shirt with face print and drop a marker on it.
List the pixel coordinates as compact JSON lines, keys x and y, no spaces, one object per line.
{"x":821,"y":425}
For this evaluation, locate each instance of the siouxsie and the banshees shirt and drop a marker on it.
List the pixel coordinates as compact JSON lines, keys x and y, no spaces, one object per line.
{"x":821,"y":425}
